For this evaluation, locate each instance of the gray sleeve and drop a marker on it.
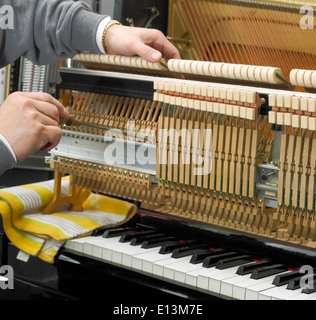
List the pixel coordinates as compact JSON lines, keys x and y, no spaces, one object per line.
{"x":47,"y":31}
{"x":6,"y":159}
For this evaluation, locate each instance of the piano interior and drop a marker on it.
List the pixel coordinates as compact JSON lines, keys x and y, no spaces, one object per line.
{"x":218,"y":151}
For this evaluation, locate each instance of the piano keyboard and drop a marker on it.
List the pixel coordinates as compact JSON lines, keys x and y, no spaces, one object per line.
{"x":200,"y":266}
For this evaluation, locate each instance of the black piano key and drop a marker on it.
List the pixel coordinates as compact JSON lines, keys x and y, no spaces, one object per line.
{"x":97,"y":232}
{"x":285,"y":278}
{"x":111,"y":233}
{"x":170,"y":247}
{"x":266,"y":271}
{"x":200,"y":256}
{"x":211,"y":261}
{"x":294,"y":283}
{"x":187,"y":251}
{"x":153,"y":243}
{"x":127,"y":237}
{"x":249,"y":267}
{"x":139,"y":240}
{"x":232,"y":262}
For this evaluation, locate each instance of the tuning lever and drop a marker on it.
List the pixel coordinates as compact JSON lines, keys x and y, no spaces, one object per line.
{"x":70,"y":121}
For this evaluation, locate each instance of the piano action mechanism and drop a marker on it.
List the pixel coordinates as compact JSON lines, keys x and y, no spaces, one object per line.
{"x":248,"y":129}
{"x":225,"y":137}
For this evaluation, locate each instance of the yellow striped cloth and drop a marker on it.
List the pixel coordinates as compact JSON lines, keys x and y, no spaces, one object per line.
{"x":43,"y":235}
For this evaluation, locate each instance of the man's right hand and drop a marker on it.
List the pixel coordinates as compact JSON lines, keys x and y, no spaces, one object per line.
{"x":29,"y":122}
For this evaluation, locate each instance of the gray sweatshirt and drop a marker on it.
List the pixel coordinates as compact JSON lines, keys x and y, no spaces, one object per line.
{"x":45,"y":31}
{"x":6,"y":158}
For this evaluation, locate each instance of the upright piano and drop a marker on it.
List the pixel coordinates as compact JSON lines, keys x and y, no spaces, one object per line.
{"x":217,"y":150}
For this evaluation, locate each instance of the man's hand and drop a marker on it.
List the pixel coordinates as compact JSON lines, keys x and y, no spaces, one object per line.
{"x":29,"y":122}
{"x":150,"y":44}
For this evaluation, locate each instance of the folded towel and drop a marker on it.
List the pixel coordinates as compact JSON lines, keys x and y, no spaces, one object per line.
{"x":43,"y":235}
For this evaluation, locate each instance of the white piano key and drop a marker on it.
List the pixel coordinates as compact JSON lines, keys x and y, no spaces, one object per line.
{"x":240,"y":288}
{"x":216,"y":279}
{"x":78,"y":245}
{"x":203,"y":278}
{"x":107,"y":245}
{"x":208,"y":276}
{"x":303,"y":296}
{"x":159,"y":266}
{"x":69,"y":245}
{"x":252,"y":292}
{"x":170,"y":270}
{"x":180,"y":275}
{"x":311,"y":297}
{"x":131,"y":254}
{"x":264,"y":297}
{"x":92,"y":247}
{"x":106,"y":254}
{"x":229,"y":283}
{"x":115,"y":248}
{"x":123,"y":253}
{"x":84,"y":246}
{"x":191,"y":277}
{"x":128,"y":252}
{"x":97,"y":251}
{"x":278,"y":293}
{"x":147,"y":259}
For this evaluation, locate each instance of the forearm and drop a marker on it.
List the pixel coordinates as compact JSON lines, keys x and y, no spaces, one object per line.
{"x":47,"y":31}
